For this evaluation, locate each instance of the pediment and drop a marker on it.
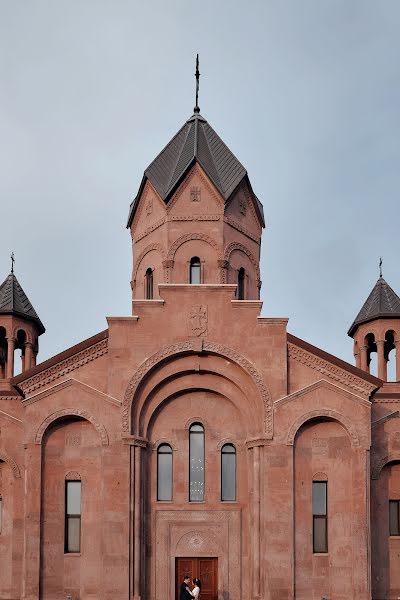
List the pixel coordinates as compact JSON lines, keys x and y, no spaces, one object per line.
{"x":241,"y":210}
{"x":74,"y":386}
{"x":196,"y":196}
{"x":150,"y":211}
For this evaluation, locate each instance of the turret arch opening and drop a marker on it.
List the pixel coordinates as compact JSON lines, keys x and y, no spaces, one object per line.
{"x":372,"y":357}
{"x":19,"y":352}
{"x":3,"y":353}
{"x":390,"y":355}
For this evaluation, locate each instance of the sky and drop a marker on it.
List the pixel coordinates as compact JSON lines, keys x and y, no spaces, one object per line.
{"x":306,"y":93}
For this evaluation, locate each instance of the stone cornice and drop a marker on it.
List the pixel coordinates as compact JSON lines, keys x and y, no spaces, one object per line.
{"x":361,"y":386}
{"x":64,"y":367}
{"x":322,"y":383}
{"x":382,"y":420}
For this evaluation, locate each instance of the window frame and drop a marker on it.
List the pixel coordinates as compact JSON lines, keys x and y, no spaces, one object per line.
{"x":72,"y":516}
{"x":241,"y":278}
{"x":397,"y":534}
{"x":170,"y":453}
{"x":203,"y":433}
{"x":222,"y":471}
{"x":197,"y":265}
{"x":149,"y":284}
{"x":320,"y":517}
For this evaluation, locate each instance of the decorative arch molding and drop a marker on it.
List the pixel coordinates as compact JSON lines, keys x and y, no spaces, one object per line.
{"x":191,"y":347}
{"x":193,"y":236}
{"x":198,"y":541}
{"x":14,"y":467}
{"x":71,"y":412}
{"x":162,"y":441}
{"x":194,"y":420}
{"x":225,"y":441}
{"x":237,"y":246}
{"x":145,"y":251}
{"x":27,"y":332}
{"x":385,"y":460}
{"x":328,"y":414}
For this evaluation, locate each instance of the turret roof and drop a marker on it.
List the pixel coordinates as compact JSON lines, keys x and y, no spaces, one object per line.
{"x":382,"y":302}
{"x":13,"y":300}
{"x":196,"y":141}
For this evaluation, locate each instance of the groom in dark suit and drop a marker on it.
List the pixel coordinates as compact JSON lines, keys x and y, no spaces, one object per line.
{"x":185,"y":592}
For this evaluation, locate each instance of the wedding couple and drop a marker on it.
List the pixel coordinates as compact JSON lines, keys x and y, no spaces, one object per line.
{"x":186,"y":593}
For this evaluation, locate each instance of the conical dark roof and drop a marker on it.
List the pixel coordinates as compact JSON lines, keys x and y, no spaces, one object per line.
{"x":13,"y":300}
{"x":382,"y":302}
{"x":196,"y":141}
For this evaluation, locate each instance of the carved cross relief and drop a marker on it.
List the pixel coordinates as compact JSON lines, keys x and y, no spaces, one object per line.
{"x":195,"y":194}
{"x":198,"y":320}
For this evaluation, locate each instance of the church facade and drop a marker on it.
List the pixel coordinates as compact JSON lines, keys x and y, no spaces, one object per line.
{"x":196,"y":437}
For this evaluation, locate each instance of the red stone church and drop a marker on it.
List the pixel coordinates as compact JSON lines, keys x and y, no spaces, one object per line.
{"x":195,"y":436}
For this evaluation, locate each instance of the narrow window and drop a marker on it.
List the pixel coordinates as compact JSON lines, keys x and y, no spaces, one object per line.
{"x":72,"y":516}
{"x":164,"y":472}
{"x":1,"y":512}
{"x":149,"y":284}
{"x":394,"y":517}
{"x":240,"y":288}
{"x":228,"y":472}
{"x":196,"y":463}
{"x":320,"y":518}
{"x":195,"y":270}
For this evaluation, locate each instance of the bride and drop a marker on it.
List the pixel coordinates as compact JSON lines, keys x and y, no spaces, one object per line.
{"x":196,"y":589}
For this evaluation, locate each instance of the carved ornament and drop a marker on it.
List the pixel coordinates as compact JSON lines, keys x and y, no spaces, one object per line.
{"x":64,"y":367}
{"x":71,"y":412}
{"x":320,"y":476}
{"x":198,"y":320}
{"x":73,"y":476}
{"x":336,"y":373}
{"x":195,"y":171}
{"x":194,"y":218}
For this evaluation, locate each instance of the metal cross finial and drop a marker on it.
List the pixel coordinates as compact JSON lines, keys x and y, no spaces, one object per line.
{"x":380,"y":267}
{"x":197,"y":75}
{"x":12,"y":262}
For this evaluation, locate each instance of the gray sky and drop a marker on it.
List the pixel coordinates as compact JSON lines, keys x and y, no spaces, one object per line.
{"x":306,"y":93}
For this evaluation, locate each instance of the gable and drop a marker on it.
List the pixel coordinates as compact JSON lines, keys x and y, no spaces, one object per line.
{"x":195,"y":197}
{"x":241,"y":211}
{"x":150,"y":212}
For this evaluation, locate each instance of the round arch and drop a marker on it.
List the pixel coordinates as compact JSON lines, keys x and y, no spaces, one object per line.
{"x":385,"y":460}
{"x":190,"y":347}
{"x":327,"y":414}
{"x":237,"y":246}
{"x":145,"y":251}
{"x":71,"y":412}
{"x":14,"y":467}
{"x":189,"y":237}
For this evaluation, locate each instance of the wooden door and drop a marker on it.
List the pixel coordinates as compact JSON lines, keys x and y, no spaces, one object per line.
{"x":205,"y":569}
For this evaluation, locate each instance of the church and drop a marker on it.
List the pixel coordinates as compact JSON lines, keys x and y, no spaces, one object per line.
{"x":195,"y":436}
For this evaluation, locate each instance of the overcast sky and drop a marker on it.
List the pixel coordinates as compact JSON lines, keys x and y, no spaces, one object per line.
{"x":306,"y":93}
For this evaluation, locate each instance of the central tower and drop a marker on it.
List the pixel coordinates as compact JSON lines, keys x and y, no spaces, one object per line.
{"x":196,"y":218}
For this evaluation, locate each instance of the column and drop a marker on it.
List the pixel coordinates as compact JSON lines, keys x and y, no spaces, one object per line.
{"x":137,"y":524}
{"x":10,"y":357}
{"x":364,"y":356}
{"x":361,"y":525}
{"x":357,"y":356}
{"x":28,"y":355}
{"x":31,"y":553}
{"x":397,"y":344}
{"x":255,"y":522}
{"x":382,"y":365}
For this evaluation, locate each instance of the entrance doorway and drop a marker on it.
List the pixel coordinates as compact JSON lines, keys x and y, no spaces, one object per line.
{"x":205,"y":569}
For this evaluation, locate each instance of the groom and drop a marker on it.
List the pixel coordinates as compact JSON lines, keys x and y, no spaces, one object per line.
{"x":185,"y":591}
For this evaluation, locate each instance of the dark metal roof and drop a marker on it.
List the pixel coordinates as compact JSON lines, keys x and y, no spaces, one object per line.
{"x":196,"y":141}
{"x":382,"y":302}
{"x":13,"y":300}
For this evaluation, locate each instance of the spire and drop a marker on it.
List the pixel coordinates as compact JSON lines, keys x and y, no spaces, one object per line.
{"x":382,"y":302}
{"x":14,"y":301}
{"x":197,"y":75}
{"x":12,"y":262}
{"x":380,"y":267}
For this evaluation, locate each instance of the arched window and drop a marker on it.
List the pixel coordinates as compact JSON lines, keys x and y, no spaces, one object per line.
{"x":164,"y":472}
{"x":228,"y":472}
{"x":149,"y":283}
{"x":195,"y":270}
{"x":196,"y":463}
{"x":240,"y":288}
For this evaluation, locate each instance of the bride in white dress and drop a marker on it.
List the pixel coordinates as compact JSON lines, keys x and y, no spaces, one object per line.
{"x":196,"y":589}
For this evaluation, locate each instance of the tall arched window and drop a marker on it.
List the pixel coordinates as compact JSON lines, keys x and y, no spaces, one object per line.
{"x":240,"y":288}
{"x":164,"y":472}
{"x":149,"y":283}
{"x":196,"y":463}
{"x":195,"y":270}
{"x":228,"y":472}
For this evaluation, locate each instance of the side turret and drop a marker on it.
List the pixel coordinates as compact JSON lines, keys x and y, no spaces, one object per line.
{"x":20,"y":328}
